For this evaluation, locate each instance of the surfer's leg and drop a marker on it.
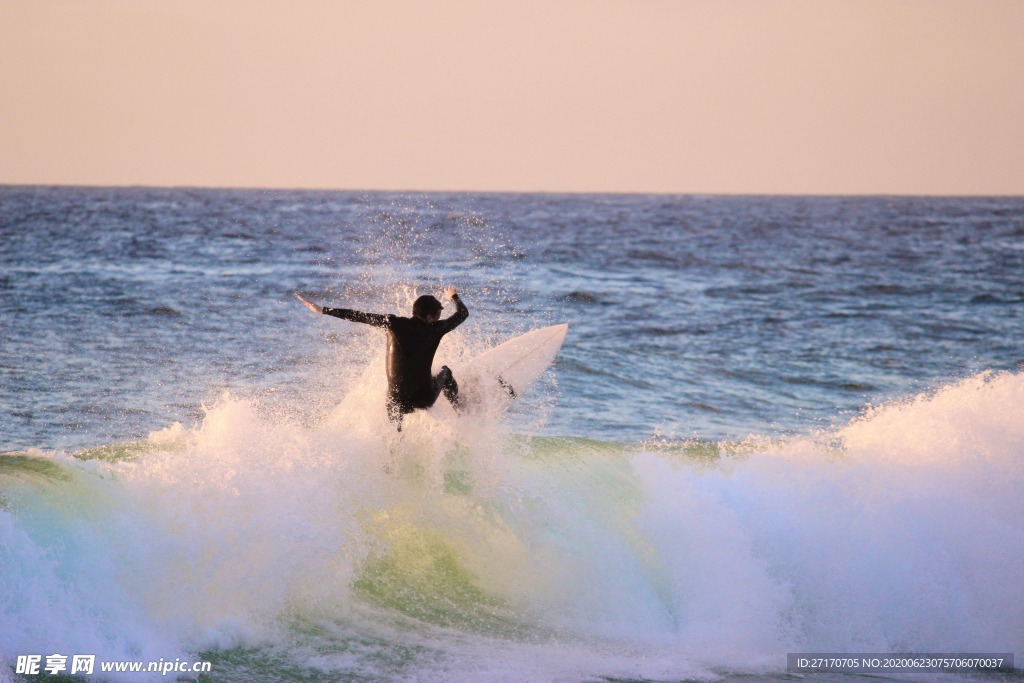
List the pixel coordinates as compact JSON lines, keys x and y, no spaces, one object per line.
{"x":446,"y":383}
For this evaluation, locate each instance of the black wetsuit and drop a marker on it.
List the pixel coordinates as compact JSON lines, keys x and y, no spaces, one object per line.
{"x":412,"y":343}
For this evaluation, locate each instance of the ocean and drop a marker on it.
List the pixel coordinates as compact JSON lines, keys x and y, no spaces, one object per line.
{"x":777,"y":425}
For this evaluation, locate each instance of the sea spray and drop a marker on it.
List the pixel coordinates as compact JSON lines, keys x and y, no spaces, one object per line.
{"x":338,"y":545}
{"x":907,"y":539}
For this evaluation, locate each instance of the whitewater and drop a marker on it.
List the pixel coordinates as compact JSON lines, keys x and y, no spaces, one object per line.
{"x":760,"y":437}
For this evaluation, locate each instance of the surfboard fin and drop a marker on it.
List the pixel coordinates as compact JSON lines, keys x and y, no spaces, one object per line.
{"x":507,"y":387}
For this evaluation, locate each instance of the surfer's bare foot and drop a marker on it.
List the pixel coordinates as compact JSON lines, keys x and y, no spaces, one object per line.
{"x":312,"y":306}
{"x":449,"y":292}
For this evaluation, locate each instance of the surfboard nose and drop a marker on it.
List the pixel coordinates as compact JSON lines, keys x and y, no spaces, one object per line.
{"x":513,"y":367}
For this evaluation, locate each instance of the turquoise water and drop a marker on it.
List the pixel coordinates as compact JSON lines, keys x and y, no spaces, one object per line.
{"x":777,"y":425}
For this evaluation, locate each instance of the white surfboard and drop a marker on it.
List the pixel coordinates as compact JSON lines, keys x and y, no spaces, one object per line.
{"x":509,"y":370}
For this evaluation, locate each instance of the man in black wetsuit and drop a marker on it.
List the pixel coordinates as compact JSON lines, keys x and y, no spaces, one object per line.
{"x":411,"y":346}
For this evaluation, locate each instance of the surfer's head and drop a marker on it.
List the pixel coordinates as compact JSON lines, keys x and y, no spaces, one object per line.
{"x":427,"y":308}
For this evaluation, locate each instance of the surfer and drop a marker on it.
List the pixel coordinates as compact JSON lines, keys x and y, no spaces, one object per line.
{"x":412,"y":343}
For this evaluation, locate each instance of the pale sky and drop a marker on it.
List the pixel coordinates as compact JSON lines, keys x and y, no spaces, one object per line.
{"x":717,"y":96}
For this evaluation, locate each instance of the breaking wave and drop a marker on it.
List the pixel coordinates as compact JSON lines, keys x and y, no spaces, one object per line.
{"x":282,"y":549}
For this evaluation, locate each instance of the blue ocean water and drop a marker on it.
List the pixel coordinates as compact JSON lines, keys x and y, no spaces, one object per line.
{"x":776,"y":424}
{"x":711,"y":317}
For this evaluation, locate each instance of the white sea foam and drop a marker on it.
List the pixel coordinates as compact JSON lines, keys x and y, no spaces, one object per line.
{"x":337,"y":545}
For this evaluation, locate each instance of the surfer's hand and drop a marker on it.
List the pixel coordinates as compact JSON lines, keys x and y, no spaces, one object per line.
{"x":312,"y":306}
{"x":449,"y":292}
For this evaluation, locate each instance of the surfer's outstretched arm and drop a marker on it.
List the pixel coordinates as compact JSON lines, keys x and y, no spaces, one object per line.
{"x":375,"y":319}
{"x":457,"y":318}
